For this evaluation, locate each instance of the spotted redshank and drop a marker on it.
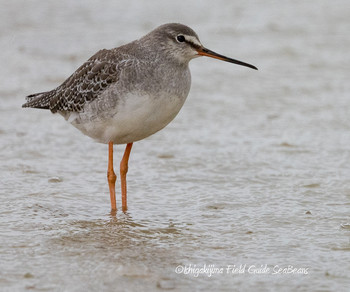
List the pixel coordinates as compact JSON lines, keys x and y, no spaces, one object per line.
{"x":128,"y":93}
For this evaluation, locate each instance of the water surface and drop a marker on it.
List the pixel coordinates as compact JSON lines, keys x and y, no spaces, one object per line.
{"x":252,"y":175}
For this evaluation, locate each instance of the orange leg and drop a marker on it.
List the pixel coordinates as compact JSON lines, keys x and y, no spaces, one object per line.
{"x":111,"y":176}
{"x":123,"y":172}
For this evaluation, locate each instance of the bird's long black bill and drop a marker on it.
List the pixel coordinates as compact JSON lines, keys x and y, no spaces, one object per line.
{"x":209,"y":53}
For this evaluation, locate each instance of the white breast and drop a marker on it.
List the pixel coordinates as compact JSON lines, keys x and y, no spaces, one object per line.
{"x":135,"y":117}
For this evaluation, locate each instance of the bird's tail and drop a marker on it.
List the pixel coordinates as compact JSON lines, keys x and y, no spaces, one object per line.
{"x":39,"y":100}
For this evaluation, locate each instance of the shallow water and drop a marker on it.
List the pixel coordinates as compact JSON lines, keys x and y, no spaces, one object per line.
{"x":253,"y":174}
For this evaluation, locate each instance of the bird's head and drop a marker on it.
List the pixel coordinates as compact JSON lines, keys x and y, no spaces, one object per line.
{"x":182,"y":43}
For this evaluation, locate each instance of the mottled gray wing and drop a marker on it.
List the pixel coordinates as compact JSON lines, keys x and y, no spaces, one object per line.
{"x":86,"y":83}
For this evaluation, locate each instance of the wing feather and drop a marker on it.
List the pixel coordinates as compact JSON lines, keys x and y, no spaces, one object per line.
{"x":84,"y":85}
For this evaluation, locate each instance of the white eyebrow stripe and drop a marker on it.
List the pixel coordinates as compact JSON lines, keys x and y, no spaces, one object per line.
{"x":193,"y":40}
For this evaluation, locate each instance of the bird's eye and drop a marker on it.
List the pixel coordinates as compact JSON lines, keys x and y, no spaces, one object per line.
{"x":180,"y":38}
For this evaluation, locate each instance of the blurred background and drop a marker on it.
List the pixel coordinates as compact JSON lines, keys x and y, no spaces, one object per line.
{"x":254,"y":170}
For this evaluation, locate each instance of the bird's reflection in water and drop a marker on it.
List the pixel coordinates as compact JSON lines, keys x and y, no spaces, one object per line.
{"x":119,"y":248}
{"x":119,"y":231}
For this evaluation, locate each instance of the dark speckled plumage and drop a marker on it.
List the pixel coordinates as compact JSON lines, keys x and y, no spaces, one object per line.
{"x":85,"y":84}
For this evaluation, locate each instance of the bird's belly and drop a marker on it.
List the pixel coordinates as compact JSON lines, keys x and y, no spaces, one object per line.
{"x":134,"y":118}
